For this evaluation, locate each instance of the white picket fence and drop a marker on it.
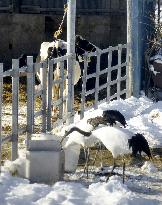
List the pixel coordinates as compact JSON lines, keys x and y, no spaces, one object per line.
{"x":108,"y":72}
{"x":46,"y":94}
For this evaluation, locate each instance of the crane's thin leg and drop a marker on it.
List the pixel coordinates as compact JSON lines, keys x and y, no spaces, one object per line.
{"x":123,"y":171}
{"x":99,"y":149}
{"x":93,"y":163}
{"x":101,"y":156}
{"x":114,"y":165}
{"x":87,"y":160}
{"x":86,"y":154}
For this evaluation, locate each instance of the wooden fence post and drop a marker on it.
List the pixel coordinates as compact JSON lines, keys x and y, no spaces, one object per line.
{"x":30,"y":97}
{"x":44,"y":96}
{"x":1,"y":96}
{"x":15,"y":103}
{"x":50,"y":82}
{"x":119,"y":71}
{"x":83,"y":86}
{"x":61,"y":106}
{"x":109,"y":74}
{"x":97,"y":79}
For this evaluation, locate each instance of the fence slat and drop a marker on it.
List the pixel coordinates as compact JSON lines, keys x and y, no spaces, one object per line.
{"x":30,"y":97}
{"x":83,"y":87}
{"x":61,"y":106}
{"x":109,"y":74}
{"x":97,"y":80}
{"x":119,"y":71}
{"x":15,"y":103}
{"x":49,"y":96}
{"x":128,"y":74}
{"x":44,"y":97}
{"x":1,"y":96}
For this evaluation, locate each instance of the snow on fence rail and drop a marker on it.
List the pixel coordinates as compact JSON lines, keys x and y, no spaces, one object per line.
{"x":46,"y":68}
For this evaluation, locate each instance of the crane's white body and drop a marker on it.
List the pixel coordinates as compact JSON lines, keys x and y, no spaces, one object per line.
{"x":115,"y":139}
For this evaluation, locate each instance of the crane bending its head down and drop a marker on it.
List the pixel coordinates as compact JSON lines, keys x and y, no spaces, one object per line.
{"x":118,"y":141}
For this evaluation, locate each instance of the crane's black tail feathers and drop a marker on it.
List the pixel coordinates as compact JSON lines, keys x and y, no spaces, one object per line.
{"x":139,"y":144}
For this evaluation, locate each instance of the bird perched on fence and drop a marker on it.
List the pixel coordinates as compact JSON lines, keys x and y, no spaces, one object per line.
{"x":113,"y":116}
{"x":118,"y":141}
{"x":22,"y":60}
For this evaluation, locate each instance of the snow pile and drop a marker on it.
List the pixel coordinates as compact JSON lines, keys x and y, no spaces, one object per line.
{"x":149,"y":167}
{"x":18,"y":191}
{"x":114,"y":192}
{"x":142,"y":116}
{"x":156,"y":116}
{"x":16,"y":167}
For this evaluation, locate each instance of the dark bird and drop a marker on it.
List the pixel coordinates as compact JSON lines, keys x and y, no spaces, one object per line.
{"x":139,"y":144}
{"x":23,"y":60}
{"x":111,"y":116}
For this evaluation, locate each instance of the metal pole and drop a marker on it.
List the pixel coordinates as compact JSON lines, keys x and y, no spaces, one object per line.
{"x":71,"y":15}
{"x":138,"y":35}
{"x":134,"y":38}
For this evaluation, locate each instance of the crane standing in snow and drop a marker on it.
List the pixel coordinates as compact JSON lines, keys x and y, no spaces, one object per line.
{"x":116,"y":141}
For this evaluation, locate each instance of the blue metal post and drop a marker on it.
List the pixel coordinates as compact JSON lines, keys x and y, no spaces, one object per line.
{"x":136,"y":37}
{"x":133,"y":38}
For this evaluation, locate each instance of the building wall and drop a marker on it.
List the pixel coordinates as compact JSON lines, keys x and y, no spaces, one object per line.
{"x":20,"y":33}
{"x":23,"y":32}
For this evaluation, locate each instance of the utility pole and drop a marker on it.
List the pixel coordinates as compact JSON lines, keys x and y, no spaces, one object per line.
{"x":139,"y":28}
{"x":133,"y":38}
{"x":71,"y":16}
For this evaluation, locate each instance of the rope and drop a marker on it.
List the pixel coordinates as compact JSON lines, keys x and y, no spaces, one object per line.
{"x":59,"y":31}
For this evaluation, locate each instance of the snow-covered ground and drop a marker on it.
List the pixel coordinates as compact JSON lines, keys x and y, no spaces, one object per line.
{"x":143,"y":185}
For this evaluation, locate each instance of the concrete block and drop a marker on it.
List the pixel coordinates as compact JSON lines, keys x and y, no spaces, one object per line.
{"x":44,"y":145}
{"x":45,"y":166}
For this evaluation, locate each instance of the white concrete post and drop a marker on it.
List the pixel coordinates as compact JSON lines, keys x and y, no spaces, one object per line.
{"x":71,"y":15}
